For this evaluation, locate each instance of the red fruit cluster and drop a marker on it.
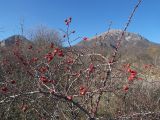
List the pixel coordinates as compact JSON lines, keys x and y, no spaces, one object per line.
{"x":56,"y":51}
{"x":52,"y":91}
{"x":85,"y":38}
{"x":132,"y":74}
{"x":125,"y":88}
{"x":82,"y":90}
{"x":60,"y":53}
{"x":91,"y":68}
{"x":4,"y":89}
{"x":49,"y":57}
{"x":68,"y":21}
{"x":69,"y":97}
{"x":13,"y":81}
{"x":44,"y":79}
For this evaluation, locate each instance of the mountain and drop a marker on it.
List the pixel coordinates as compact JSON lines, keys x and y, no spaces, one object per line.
{"x":12,"y":40}
{"x":134,"y":47}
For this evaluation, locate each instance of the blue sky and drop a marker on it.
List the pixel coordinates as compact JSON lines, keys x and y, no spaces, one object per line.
{"x":90,"y":17}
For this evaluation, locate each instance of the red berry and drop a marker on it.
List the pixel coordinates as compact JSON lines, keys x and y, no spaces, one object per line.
{"x":49,"y":57}
{"x":130,"y":78}
{"x":83,"y":90}
{"x":13,"y":81}
{"x":69,"y":97}
{"x":4,"y":89}
{"x":125,"y":88}
{"x":67,"y":23}
{"x":56,"y":50}
{"x":52,"y":91}
{"x":69,"y":19}
{"x":65,"y":20}
{"x":60,"y":53}
{"x":30,"y":47}
{"x":129,"y":70}
{"x":44,"y":79}
{"x":85,"y":38}
{"x":91,"y":68}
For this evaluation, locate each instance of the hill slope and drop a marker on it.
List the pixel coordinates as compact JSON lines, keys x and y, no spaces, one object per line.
{"x":12,"y":40}
{"x":133,"y":48}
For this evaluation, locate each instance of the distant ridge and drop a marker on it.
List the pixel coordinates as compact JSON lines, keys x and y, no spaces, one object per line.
{"x":12,"y":40}
{"x":133,"y":46}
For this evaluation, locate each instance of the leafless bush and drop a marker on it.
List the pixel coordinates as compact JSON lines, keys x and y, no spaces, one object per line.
{"x":42,"y":35}
{"x":49,"y":82}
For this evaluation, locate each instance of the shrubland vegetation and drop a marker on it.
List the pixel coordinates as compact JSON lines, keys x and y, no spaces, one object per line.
{"x":41,"y":80}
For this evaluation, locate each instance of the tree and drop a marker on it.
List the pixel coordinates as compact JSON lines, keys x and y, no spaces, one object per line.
{"x":44,"y":35}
